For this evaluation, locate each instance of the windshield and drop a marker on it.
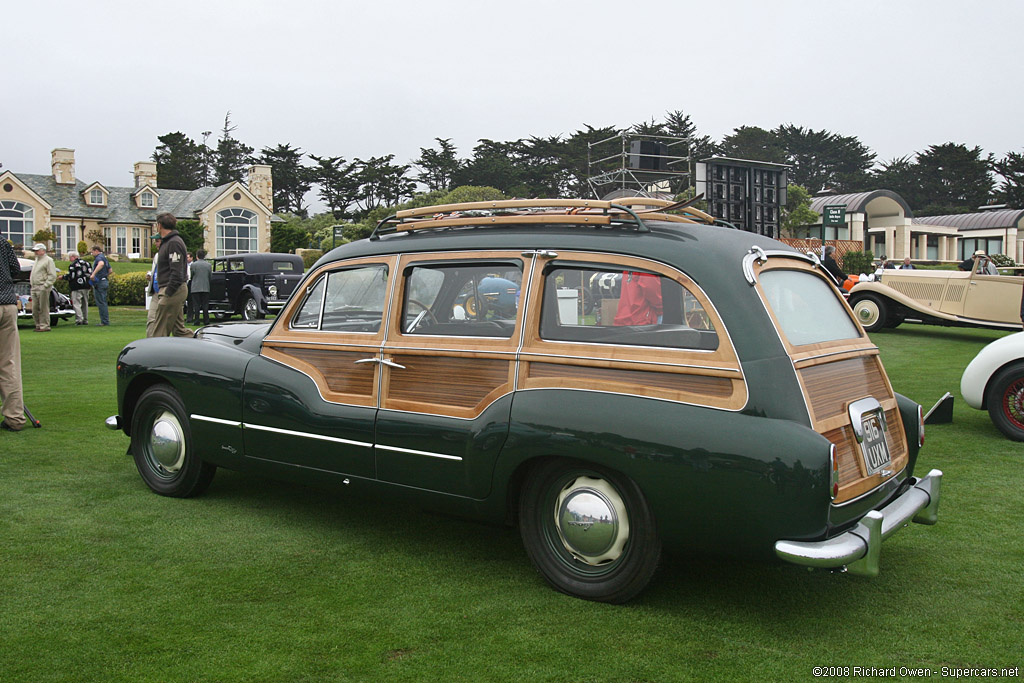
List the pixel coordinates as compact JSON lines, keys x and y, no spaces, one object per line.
{"x":808,"y":309}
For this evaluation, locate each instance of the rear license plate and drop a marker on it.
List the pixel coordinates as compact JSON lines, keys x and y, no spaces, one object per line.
{"x":874,"y":445}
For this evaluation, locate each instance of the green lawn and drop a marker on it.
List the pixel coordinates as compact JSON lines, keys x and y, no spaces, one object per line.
{"x":261,"y":581}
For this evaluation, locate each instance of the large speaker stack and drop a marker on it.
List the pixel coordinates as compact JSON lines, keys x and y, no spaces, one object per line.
{"x":748,"y":194}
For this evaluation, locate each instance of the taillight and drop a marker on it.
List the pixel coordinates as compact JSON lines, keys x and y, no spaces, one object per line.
{"x":920,"y":427}
{"x":833,"y":462}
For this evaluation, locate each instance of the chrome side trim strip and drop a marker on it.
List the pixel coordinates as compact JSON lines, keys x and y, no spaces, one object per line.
{"x":649,"y":398}
{"x":307,"y":435}
{"x":414,"y":452}
{"x":216,"y":420}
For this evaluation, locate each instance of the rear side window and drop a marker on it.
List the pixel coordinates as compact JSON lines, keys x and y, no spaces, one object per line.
{"x":808,"y":309}
{"x":631,"y":307}
{"x":284,"y":267}
{"x":462,"y":299}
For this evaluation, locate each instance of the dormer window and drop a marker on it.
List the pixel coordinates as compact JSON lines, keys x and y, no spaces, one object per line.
{"x":146,"y":200}
{"x":96,"y":195}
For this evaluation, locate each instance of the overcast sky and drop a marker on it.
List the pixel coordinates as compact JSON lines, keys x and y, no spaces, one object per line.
{"x":361,"y":79}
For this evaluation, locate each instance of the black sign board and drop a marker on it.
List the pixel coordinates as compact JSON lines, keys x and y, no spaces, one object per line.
{"x":748,"y":194}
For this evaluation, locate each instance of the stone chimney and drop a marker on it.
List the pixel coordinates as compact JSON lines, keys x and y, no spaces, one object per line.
{"x":145,"y":174}
{"x":62,"y":164}
{"x":261,"y":184}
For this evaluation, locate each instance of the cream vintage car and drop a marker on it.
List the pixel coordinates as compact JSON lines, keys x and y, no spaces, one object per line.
{"x":939,"y":297}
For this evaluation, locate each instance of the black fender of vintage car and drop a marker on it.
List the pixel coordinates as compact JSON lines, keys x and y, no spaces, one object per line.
{"x":257,"y":294}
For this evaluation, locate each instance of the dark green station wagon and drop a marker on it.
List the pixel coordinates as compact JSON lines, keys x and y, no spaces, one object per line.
{"x":612,"y":378}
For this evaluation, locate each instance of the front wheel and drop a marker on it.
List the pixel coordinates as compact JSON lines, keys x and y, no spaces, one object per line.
{"x":54,"y":320}
{"x":250,"y":308}
{"x":871,"y":312}
{"x":588,"y":531}
{"x":1005,"y":400}
{"x":162,"y":445}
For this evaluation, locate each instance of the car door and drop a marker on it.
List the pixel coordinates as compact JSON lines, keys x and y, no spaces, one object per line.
{"x":448,"y":370}
{"x":993,"y":298}
{"x":311,"y":396}
{"x":218,"y":283}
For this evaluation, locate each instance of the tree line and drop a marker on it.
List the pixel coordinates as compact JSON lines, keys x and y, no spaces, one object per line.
{"x":942,"y":179}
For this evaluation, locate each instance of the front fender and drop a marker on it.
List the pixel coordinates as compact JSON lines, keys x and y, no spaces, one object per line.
{"x":257,"y":294}
{"x":993,"y":357}
{"x":211,"y":387}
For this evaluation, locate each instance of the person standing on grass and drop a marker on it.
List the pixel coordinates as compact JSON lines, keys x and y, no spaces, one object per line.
{"x":153,"y":287}
{"x":200,"y":287}
{"x":171,"y":274}
{"x":44,"y":274}
{"x":100,"y":279}
{"x":12,"y":404}
{"x":78,"y":281}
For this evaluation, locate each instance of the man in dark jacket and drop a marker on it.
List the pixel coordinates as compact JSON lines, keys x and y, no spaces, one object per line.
{"x":11,"y":402}
{"x":170,"y":273}
{"x":831,"y":266}
{"x":78,"y":282}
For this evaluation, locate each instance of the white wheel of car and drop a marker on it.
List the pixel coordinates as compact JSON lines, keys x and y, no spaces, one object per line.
{"x":870,"y":311}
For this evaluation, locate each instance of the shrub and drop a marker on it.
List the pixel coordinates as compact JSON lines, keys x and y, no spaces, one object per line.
{"x":1002,"y":260}
{"x":127,"y":289}
{"x":310,"y":256}
{"x":858,"y":262}
{"x":82,"y":248}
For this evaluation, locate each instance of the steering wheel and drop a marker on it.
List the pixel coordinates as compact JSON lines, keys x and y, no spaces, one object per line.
{"x":418,"y":320}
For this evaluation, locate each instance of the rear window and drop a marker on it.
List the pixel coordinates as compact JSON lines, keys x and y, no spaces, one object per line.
{"x":284,"y":267}
{"x":808,"y":309}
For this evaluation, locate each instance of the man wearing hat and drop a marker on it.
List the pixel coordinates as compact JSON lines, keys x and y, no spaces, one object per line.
{"x":44,"y":274}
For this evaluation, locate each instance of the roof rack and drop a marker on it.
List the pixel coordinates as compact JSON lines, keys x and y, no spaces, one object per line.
{"x":540,"y":211}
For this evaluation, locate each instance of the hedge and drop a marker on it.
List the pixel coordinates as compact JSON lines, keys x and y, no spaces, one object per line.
{"x":126,"y":289}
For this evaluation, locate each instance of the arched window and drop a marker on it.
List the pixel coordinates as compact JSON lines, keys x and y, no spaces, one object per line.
{"x":236,"y":232}
{"x":17,"y":223}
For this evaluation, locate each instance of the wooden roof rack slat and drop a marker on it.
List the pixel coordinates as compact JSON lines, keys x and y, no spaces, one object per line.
{"x":544,"y":218}
{"x":507,"y":204}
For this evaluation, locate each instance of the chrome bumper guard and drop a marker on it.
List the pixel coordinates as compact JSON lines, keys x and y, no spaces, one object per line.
{"x":113,"y":422}
{"x":858,"y":549}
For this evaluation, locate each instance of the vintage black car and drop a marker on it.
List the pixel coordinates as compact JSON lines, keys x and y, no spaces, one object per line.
{"x":722,"y":398}
{"x":60,"y":304}
{"x":252,"y":285}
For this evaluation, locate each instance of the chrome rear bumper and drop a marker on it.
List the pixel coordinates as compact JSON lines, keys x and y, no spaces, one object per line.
{"x":859,"y":548}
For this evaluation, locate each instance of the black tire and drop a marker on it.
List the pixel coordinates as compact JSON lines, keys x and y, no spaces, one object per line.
{"x":611,"y":566}
{"x":162,"y":445}
{"x":54,"y":320}
{"x":250,"y":308}
{"x":871,"y":311}
{"x":1005,"y":400}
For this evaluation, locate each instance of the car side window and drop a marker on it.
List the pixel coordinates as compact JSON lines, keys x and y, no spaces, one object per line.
{"x":308,"y":315}
{"x":237,"y":265}
{"x":623,"y":306}
{"x":463,"y":299}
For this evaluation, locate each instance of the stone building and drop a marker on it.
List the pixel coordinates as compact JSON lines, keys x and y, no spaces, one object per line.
{"x":883,"y":221}
{"x":236,"y":216}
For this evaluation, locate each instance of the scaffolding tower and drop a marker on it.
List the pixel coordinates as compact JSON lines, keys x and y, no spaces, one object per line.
{"x":631,"y":164}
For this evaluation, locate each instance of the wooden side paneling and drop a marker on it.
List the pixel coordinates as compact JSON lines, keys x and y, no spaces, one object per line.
{"x":335,"y":371}
{"x":459,"y":387}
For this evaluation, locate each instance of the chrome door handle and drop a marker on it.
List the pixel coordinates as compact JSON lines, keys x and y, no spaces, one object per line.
{"x":392,"y":364}
{"x":367,"y":360}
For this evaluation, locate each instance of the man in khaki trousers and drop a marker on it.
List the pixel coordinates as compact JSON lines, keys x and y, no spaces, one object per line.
{"x":44,"y":274}
{"x":171,"y":276}
{"x":11,"y":403}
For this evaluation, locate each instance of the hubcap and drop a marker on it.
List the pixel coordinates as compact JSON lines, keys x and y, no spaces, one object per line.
{"x":250,"y":309}
{"x":591,"y":520}
{"x":867,"y":312}
{"x":1013,"y":403}
{"x":167,"y":444}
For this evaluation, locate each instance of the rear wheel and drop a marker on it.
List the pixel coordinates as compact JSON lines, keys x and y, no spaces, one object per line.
{"x":588,"y":531}
{"x":54,"y":320}
{"x":871,"y":311}
{"x":1005,"y":400}
{"x":162,"y":445}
